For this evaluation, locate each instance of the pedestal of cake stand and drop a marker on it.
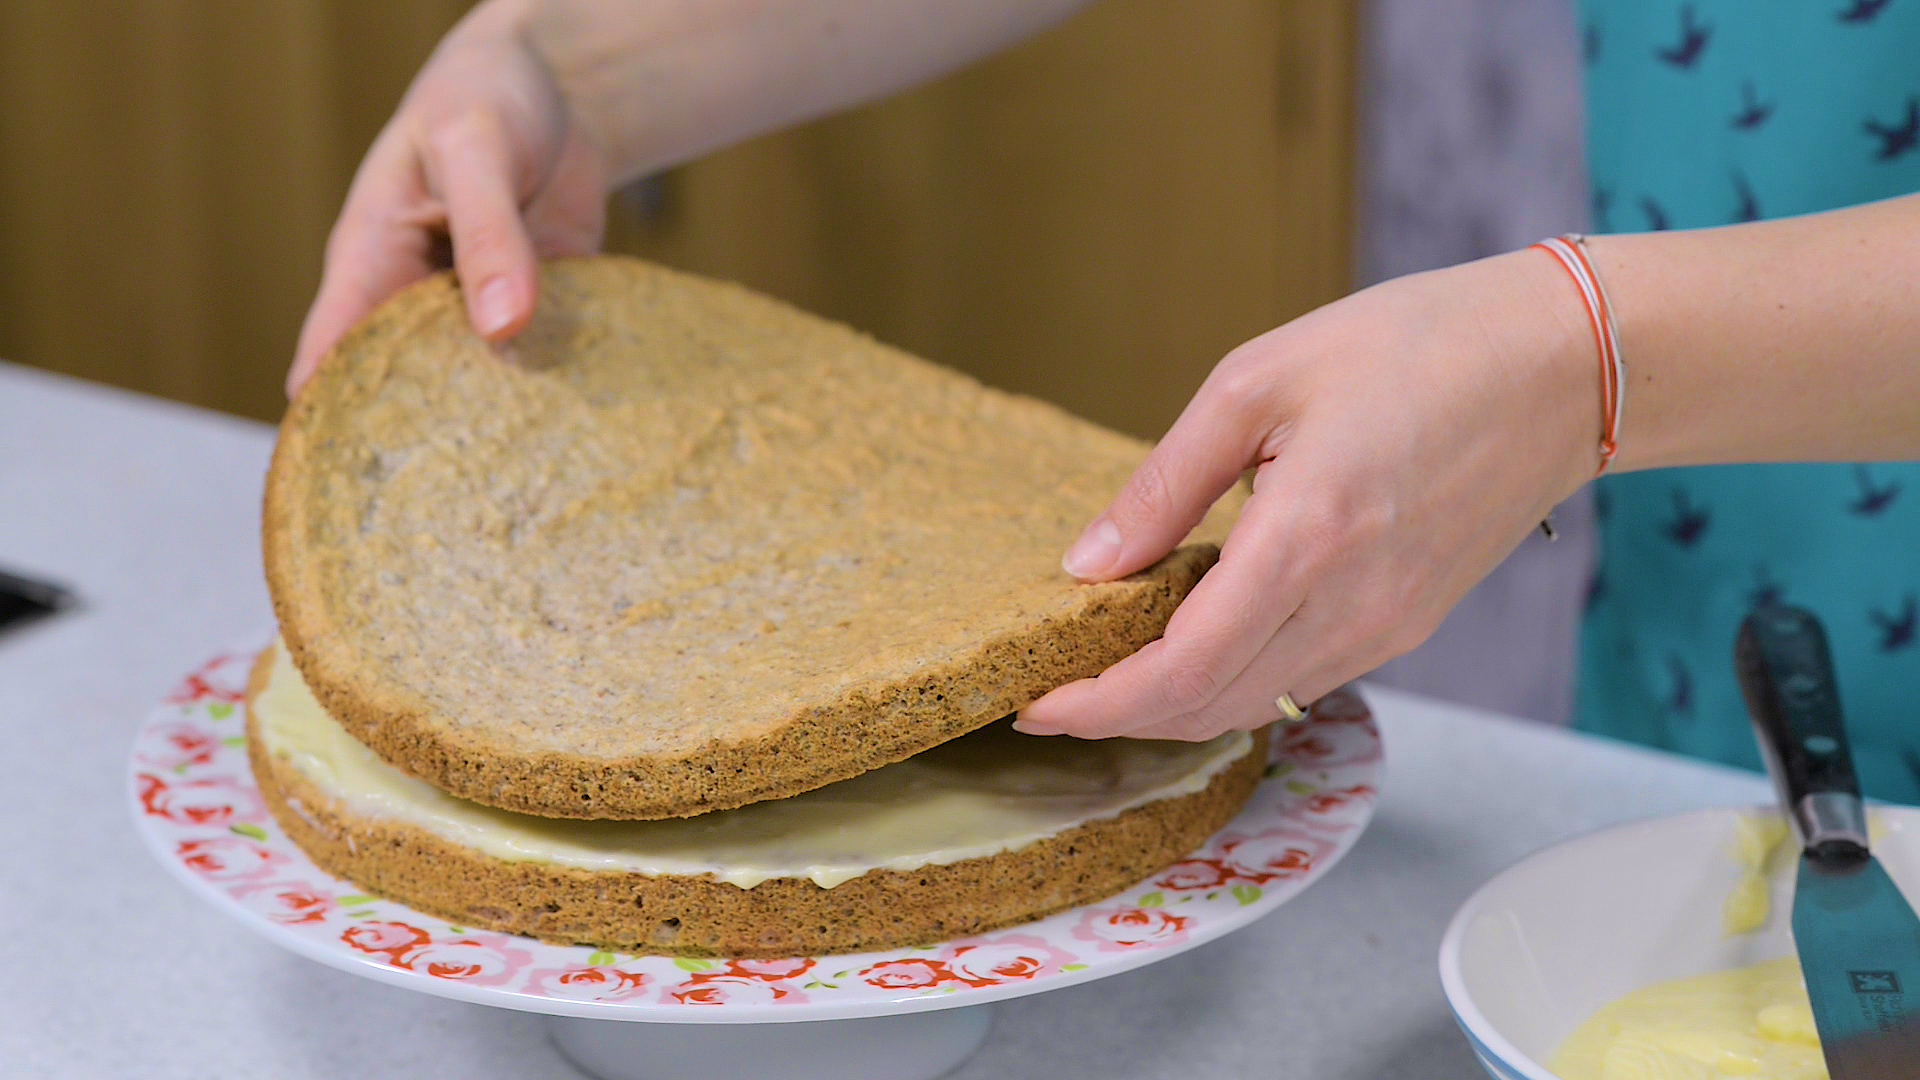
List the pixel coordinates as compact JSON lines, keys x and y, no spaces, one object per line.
{"x":910,"y":1046}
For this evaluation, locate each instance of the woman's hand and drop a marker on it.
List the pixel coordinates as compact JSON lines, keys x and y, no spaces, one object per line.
{"x":484,"y":168}
{"x":506,"y":144}
{"x":1404,"y":440}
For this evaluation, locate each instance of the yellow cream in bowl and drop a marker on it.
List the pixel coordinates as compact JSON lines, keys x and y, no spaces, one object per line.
{"x":1755,"y":838}
{"x":1750,"y":1022}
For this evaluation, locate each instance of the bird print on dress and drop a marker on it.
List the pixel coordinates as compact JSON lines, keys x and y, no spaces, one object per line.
{"x":1701,"y":113}
{"x":1862,"y":11}
{"x":1766,"y":592}
{"x":1679,"y":701}
{"x":1693,"y":41}
{"x":1753,"y":112}
{"x":1749,"y":206}
{"x":1896,"y":139}
{"x":1689,"y":522}
{"x":1874,"y":498}
{"x":1897,"y":630}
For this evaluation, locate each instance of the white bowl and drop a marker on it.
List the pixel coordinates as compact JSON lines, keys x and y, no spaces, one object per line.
{"x":1536,"y":950}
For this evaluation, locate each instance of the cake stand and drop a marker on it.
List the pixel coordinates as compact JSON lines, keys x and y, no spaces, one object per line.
{"x":903,"y":1014}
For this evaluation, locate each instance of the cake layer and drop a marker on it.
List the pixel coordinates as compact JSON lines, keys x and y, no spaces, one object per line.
{"x":988,"y":792}
{"x":444,"y":864}
{"x":680,"y":547}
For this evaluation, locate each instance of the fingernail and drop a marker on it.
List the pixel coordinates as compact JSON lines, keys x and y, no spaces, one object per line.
{"x":1028,"y":727}
{"x":493,"y":307}
{"x":1094,"y":552}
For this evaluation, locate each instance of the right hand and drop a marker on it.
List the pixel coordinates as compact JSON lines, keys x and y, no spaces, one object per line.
{"x":1403,"y":441}
{"x":485,"y":168}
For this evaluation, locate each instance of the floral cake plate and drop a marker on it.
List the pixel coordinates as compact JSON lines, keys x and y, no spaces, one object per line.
{"x":197,"y":807}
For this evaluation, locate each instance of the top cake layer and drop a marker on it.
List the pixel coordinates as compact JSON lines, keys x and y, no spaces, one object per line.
{"x":680,"y":547}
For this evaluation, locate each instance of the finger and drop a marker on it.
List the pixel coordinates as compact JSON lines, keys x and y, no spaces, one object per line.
{"x":470,"y":166}
{"x":1306,"y":658}
{"x":1323,"y":667}
{"x":1220,"y":627}
{"x":1186,"y":730}
{"x":1216,"y":437}
{"x":382,"y":243}
{"x":1250,"y":701}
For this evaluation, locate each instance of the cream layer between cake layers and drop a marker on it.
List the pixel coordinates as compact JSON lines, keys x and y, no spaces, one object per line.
{"x":983,"y":794}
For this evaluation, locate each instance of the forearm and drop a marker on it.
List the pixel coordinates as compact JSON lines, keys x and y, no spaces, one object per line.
{"x":657,"y":82}
{"x":1792,"y":340}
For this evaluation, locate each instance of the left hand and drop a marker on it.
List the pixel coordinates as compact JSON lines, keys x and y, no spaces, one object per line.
{"x":1405,"y":439}
{"x":485,"y":167}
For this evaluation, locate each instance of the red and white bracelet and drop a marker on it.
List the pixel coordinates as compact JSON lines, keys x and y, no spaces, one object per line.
{"x":1570,"y":249}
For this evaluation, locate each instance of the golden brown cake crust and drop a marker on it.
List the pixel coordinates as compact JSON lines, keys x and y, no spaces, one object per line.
{"x":698,"y":916}
{"x":689,"y":549}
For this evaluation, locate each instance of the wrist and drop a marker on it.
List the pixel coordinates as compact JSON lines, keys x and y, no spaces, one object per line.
{"x":594,"y":62}
{"x":1556,"y":333}
{"x":1630,"y":267}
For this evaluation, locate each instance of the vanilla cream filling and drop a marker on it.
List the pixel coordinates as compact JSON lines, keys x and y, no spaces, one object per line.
{"x":987,"y":793}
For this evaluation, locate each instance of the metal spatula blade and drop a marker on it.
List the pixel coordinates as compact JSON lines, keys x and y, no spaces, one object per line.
{"x":1858,"y":938}
{"x":1859,"y":946}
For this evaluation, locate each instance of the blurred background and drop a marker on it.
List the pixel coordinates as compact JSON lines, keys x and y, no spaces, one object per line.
{"x":1094,"y":217}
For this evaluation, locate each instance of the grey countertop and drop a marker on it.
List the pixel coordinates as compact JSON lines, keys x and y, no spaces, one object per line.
{"x":108,"y":968}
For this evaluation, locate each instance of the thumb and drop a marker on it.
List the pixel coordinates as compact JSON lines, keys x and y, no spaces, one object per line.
{"x":1200,"y":458}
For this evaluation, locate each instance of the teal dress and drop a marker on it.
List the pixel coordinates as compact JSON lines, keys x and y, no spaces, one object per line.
{"x":1704,"y":114}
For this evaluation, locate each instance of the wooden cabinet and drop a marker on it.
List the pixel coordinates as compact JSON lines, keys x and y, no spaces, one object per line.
{"x":168,"y":173}
{"x":1094,"y":217}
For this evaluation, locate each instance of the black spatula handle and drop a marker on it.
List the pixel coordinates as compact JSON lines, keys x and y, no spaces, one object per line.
{"x":1786,"y":673}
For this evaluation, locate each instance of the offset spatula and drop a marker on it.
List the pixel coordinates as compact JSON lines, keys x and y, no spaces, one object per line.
{"x":1858,"y":939}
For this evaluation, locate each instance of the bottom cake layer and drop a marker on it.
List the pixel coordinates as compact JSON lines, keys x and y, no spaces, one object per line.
{"x":702,"y":916}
